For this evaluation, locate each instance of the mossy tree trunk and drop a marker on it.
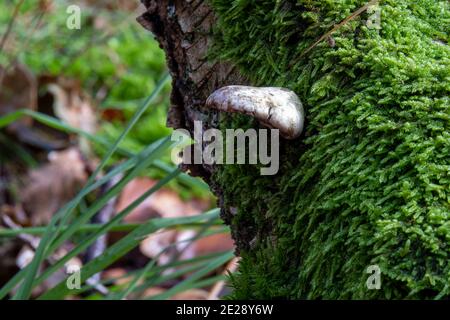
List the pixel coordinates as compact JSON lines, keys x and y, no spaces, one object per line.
{"x":368,"y":183}
{"x":184,"y":31}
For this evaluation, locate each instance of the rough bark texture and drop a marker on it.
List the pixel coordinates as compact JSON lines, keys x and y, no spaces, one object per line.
{"x":183,"y":29}
{"x":367,"y":182}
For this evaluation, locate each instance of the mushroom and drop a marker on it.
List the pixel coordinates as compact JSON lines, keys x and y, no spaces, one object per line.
{"x":276,"y":108}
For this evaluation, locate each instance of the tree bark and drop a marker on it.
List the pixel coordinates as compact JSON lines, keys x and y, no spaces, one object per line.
{"x":183,"y":29}
{"x":366,"y":185}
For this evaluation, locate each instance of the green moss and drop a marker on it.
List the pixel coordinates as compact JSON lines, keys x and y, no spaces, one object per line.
{"x":369,"y":182}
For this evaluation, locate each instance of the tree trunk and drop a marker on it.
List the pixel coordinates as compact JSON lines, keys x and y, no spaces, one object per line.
{"x":363,"y":194}
{"x":183,"y":29}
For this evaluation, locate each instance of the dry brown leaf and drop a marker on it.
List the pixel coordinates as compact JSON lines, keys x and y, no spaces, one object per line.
{"x":15,"y":213}
{"x":211,"y":244}
{"x":192,"y":294}
{"x":154,"y":245}
{"x":130,"y":193}
{"x":163,"y":203}
{"x":114,"y":5}
{"x":113,"y":115}
{"x":220,"y":288}
{"x":51,"y":186}
{"x":151,"y":292}
{"x":18,"y":90}
{"x":120,"y":274}
{"x":46,"y":5}
{"x":24,"y":257}
{"x":74,"y":107}
{"x":167,"y":204}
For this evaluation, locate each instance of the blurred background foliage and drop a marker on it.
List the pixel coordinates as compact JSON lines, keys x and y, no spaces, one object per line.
{"x":86,"y":176}
{"x":112,"y":58}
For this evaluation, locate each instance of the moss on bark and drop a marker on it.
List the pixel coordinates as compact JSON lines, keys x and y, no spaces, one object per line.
{"x":369,"y":181}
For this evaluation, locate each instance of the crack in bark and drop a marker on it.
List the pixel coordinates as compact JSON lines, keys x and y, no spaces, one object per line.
{"x":183,"y":29}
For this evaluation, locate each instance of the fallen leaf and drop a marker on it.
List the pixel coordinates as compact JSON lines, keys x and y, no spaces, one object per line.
{"x":164,"y":203}
{"x":151,"y":292}
{"x":192,"y":294}
{"x":24,"y":257}
{"x":118,"y":5}
{"x":220,"y":288}
{"x":215,"y":243}
{"x":52,"y":185}
{"x":111,"y":115}
{"x":46,"y":6}
{"x":154,"y":245}
{"x":74,"y":107}
{"x":15,"y":213}
{"x":118,"y":274}
{"x":18,"y":90}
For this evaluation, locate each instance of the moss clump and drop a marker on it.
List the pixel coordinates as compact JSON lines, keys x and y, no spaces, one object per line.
{"x":369,"y":183}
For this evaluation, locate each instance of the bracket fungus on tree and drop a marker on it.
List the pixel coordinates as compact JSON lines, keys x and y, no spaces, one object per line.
{"x":276,"y":108}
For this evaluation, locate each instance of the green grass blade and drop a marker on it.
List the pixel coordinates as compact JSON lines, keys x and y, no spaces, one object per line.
{"x":18,"y":151}
{"x":209,"y":281}
{"x":124,"y":227}
{"x":142,"y":160}
{"x":157,"y":279}
{"x":184,"y":178}
{"x":105,"y":228}
{"x":63,"y":127}
{"x":155,"y":276}
{"x":123,"y":246}
{"x":152,"y":263}
{"x":161,"y":278}
{"x":147,"y":157}
{"x":25,"y":289}
{"x":36,"y":231}
{"x":10,"y":118}
{"x":190,"y":282}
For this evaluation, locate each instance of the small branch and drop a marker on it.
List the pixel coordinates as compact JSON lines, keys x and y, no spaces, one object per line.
{"x":33,"y":242}
{"x":14,"y":57}
{"x":29,"y":239}
{"x":100,"y":244}
{"x":336,"y":28}
{"x":10,"y":24}
{"x":218,"y":287}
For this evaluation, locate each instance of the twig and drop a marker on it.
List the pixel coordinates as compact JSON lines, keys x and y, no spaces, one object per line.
{"x":336,"y":28}
{"x":10,"y":24}
{"x":33,"y":242}
{"x":13,"y":61}
{"x":99,"y":246}
{"x":99,"y":40}
{"x":102,"y":217}
{"x":29,"y":239}
{"x":214,"y":294}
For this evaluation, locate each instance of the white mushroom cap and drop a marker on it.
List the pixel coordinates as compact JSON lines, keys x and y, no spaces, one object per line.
{"x":277,"y":108}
